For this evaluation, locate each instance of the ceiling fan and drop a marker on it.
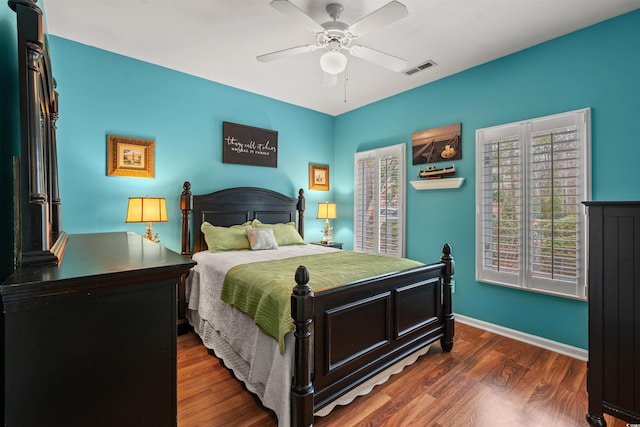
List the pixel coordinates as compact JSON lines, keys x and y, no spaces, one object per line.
{"x":336,"y":37}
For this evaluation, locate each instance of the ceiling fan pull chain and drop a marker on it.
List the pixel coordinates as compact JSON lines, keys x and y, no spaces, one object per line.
{"x":346,"y":78}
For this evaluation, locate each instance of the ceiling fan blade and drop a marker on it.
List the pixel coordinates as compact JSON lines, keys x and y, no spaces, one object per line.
{"x":293,"y":12}
{"x":385,"y":60}
{"x":387,"y":14}
{"x":329,"y":80}
{"x":273,"y":56}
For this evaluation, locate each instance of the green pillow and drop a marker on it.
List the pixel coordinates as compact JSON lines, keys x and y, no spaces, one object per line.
{"x":285,"y":233}
{"x":220,"y":239}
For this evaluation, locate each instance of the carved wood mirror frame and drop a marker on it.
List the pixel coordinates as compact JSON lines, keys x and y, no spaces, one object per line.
{"x":38,"y":215}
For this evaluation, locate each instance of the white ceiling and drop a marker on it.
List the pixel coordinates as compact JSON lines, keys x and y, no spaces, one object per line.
{"x":219,"y":39}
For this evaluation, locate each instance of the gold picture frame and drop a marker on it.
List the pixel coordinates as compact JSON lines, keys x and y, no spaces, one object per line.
{"x":132,"y":157}
{"x":318,"y":177}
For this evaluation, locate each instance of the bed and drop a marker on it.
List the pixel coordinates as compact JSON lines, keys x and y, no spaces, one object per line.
{"x":346,"y":339}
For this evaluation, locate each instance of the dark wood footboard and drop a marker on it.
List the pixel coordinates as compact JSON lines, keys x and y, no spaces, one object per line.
{"x":345,"y":336}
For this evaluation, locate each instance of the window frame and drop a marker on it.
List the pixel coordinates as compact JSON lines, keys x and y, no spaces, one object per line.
{"x":394,"y":151}
{"x":523,"y":132}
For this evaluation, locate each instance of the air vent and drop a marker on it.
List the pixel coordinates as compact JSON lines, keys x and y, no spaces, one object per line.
{"x":423,"y":66}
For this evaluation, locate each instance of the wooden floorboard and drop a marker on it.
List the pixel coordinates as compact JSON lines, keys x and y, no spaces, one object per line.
{"x":487,"y":380}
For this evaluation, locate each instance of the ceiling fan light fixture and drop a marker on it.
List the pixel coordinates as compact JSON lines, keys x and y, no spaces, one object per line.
{"x":333,"y":62}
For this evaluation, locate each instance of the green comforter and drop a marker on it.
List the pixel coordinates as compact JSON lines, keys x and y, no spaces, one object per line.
{"x":263,"y":289}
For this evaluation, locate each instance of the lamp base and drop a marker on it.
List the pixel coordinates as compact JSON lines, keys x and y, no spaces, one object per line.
{"x":149,"y":235}
{"x":327,"y":232}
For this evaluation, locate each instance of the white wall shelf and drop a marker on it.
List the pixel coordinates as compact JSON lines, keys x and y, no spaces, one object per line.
{"x":436,"y":184}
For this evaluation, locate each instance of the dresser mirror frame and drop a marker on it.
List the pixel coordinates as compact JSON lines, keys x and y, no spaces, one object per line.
{"x":39,"y":238}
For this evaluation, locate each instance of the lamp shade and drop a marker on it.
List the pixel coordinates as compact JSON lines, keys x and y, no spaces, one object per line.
{"x":333,"y":62}
{"x":147,"y":209}
{"x":326,"y":210}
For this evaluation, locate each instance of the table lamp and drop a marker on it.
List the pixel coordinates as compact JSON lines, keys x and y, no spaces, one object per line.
{"x":326,"y":211}
{"x":147,"y":209}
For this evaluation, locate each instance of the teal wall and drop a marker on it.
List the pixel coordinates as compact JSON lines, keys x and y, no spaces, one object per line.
{"x":598,"y":67}
{"x":9,"y":131}
{"x":104,"y":93}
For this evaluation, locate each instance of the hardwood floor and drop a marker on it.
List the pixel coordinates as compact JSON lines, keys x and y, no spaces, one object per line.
{"x":487,"y":380}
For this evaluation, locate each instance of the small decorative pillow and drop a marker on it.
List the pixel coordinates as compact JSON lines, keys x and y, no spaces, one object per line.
{"x":285,"y":233}
{"x":220,"y":239}
{"x":261,"y":239}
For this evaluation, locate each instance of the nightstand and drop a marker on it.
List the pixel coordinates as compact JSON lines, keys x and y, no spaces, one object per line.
{"x":336,"y":245}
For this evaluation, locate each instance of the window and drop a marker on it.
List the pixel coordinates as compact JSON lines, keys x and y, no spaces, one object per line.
{"x":531,"y":178}
{"x":379,"y":201}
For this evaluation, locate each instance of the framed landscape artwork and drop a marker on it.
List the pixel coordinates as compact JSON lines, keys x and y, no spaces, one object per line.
{"x":437,"y":145}
{"x":318,"y":177}
{"x":131,"y":157}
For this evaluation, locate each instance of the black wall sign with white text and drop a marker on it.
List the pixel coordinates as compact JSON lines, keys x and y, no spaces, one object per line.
{"x":247,"y":145}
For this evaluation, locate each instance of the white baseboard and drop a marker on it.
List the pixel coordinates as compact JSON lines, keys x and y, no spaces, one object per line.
{"x":567,"y":350}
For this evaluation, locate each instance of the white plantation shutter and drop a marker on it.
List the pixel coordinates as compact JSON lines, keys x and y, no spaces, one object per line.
{"x":500,"y":203}
{"x":531,"y":178}
{"x":365,"y":202}
{"x":379,"y":201}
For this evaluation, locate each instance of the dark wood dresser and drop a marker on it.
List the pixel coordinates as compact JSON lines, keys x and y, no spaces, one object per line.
{"x":613,"y":376}
{"x":92,"y":341}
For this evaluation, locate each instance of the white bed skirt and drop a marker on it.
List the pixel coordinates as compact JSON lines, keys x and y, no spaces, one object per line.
{"x":275,"y":394}
{"x":270,"y":384}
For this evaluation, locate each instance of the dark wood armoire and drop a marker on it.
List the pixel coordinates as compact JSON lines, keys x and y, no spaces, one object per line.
{"x":88,"y":321}
{"x":613,"y":376}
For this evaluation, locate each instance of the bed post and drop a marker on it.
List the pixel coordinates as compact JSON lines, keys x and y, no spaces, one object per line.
{"x":301,"y":385}
{"x":300,"y":207}
{"x":186,"y":205}
{"x":448,"y":271}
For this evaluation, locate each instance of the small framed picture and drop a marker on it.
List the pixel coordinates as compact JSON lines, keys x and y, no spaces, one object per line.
{"x":318,"y":177}
{"x":130,"y":157}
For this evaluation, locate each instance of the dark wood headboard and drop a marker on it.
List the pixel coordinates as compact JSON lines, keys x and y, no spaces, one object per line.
{"x":234,"y":206}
